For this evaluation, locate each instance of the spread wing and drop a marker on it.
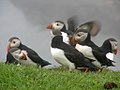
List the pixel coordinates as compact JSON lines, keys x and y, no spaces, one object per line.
{"x":72,"y":23}
{"x":93,"y":27}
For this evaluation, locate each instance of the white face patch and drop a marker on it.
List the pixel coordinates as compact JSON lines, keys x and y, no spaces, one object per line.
{"x":81,"y":36}
{"x":114,"y":45}
{"x":16,"y":54}
{"x":15,"y":43}
{"x":57,"y":26}
{"x":22,"y":53}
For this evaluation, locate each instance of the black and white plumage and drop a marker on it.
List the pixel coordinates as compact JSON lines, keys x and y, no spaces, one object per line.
{"x":15,"y":42}
{"x":21,"y":56}
{"x":110,"y":45}
{"x":83,"y":37}
{"x":9,"y":57}
{"x":66,"y":54}
{"x":60,"y":26}
{"x":81,"y":40}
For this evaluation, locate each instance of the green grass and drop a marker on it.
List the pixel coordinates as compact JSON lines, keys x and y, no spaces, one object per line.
{"x":14,"y":77}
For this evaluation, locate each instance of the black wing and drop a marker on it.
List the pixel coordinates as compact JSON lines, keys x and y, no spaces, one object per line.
{"x":78,"y":59}
{"x":72,"y":23}
{"x":101,"y":57}
{"x":34,"y":56}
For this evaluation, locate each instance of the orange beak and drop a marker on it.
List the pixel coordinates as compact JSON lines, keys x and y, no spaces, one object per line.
{"x":73,"y":41}
{"x":115,"y":51}
{"x":23,"y":57}
{"x":49,"y":26}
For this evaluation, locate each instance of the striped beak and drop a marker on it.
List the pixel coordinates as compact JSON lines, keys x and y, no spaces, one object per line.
{"x":49,"y":26}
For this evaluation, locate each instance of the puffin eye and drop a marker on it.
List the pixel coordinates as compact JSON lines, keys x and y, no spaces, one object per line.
{"x":115,"y":44}
{"x":57,"y":24}
{"x":78,"y":35}
{"x":14,"y":42}
{"x":20,"y":52}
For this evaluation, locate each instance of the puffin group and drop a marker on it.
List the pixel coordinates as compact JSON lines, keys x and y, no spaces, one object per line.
{"x":71,"y":47}
{"x":20,"y":54}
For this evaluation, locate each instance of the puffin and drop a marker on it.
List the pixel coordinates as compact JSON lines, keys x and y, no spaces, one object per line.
{"x":64,"y":53}
{"x":9,"y":58}
{"x":15,"y":42}
{"x":81,"y":40}
{"x":22,"y":57}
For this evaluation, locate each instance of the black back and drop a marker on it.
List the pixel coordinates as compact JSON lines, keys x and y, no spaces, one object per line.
{"x":34,"y":56}
{"x":89,"y":43}
{"x":101,"y":57}
{"x":106,"y":47}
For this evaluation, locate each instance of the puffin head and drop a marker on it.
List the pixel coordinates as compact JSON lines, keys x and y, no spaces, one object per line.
{"x":18,"y":54}
{"x":111,"y":45}
{"x":56,"y":28}
{"x":79,"y":36}
{"x":57,"y":25}
{"x":13,"y":42}
{"x":114,"y":45}
{"x":23,"y":55}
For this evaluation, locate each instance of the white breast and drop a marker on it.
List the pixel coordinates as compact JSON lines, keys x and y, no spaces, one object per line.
{"x":65,"y":38}
{"x":64,"y":35}
{"x":59,"y":57}
{"x":110,"y":56}
{"x":87,"y":52}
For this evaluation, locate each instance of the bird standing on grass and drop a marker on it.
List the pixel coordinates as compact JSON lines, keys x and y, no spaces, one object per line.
{"x":64,"y":53}
{"x":81,"y":40}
